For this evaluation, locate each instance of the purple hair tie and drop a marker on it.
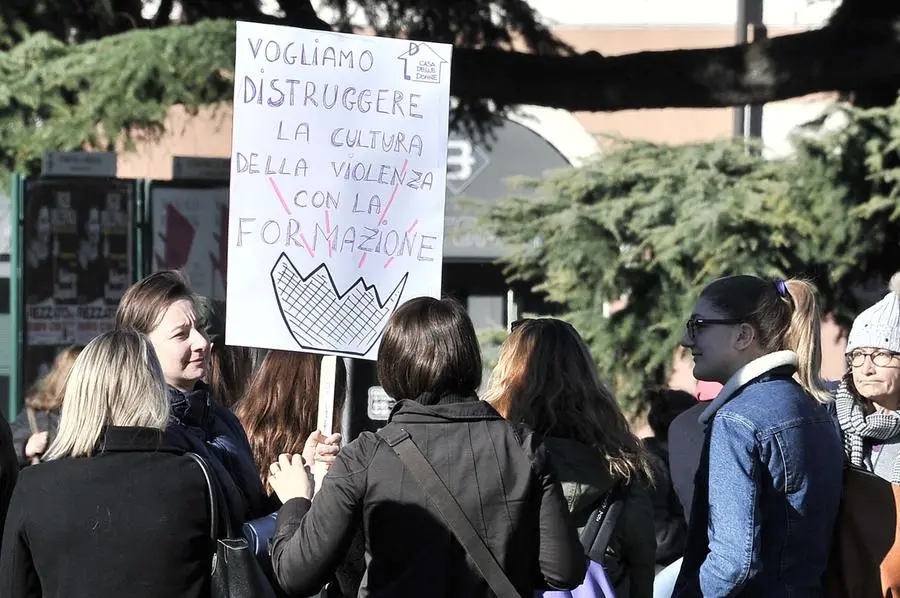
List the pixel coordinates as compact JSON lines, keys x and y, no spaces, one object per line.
{"x":781,"y":288}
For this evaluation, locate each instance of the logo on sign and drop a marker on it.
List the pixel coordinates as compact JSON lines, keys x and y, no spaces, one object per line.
{"x":465,"y":161}
{"x":421,"y":63}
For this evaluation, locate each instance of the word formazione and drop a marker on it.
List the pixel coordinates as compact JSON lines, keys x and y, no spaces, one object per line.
{"x":389,"y":242}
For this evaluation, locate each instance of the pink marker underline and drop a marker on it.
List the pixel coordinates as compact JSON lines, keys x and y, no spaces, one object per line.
{"x":328,"y":231}
{"x":280,"y":197}
{"x":390,"y":260}
{"x":393,"y":195}
{"x":362,"y":260}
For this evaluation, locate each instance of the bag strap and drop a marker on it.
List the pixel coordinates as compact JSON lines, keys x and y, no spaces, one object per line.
{"x":32,"y":420}
{"x":598,"y":530}
{"x":35,"y":429}
{"x":213,"y":495}
{"x":437,"y":493}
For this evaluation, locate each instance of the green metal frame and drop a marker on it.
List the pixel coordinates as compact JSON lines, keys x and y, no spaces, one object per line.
{"x":143,"y":236}
{"x":16,"y":298}
{"x":16,"y":302}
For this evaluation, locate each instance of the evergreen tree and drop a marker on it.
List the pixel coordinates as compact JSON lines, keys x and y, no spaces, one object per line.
{"x":653,"y":224}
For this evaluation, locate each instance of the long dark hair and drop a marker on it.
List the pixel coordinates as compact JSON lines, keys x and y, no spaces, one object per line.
{"x":279,"y":410}
{"x":546,"y":378}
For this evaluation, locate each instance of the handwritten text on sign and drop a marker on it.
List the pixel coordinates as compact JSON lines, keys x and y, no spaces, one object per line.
{"x":337,"y":186}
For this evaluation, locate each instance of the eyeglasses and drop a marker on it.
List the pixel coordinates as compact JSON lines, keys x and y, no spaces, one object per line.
{"x":882,"y":358}
{"x":694,"y":324}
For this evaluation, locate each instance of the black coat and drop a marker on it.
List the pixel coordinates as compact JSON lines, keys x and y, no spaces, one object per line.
{"x":686,"y":437}
{"x":9,"y":471}
{"x":130,"y":521}
{"x":498,"y":472}
{"x":668,"y":514}
{"x":585,"y":477}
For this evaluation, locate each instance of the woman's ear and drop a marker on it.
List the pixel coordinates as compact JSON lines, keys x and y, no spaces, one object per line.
{"x":745,"y":337}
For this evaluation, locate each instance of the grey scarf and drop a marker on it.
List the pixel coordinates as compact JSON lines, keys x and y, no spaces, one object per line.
{"x":857,"y":426}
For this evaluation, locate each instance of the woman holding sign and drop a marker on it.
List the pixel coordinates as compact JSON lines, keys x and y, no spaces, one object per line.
{"x":496,"y":472}
{"x":163,"y":307}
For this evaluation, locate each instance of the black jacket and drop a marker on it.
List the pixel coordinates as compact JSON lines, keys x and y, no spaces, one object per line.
{"x":686,"y":437}
{"x":130,"y":521}
{"x":585,"y":477}
{"x":668,"y":514}
{"x":9,"y":471}
{"x":200,"y":425}
{"x":501,"y":477}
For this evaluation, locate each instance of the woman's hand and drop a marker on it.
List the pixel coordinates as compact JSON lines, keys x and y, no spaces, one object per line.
{"x":289,"y":478}
{"x":36,"y":445}
{"x":321,"y":449}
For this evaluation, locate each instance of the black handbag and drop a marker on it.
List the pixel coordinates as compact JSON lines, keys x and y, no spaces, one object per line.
{"x":598,"y":531}
{"x":235,"y":572}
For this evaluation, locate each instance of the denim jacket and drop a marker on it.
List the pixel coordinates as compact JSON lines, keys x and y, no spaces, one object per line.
{"x":768,"y":488}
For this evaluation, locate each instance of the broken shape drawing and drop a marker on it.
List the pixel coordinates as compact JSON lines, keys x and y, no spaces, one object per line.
{"x":322,"y":319}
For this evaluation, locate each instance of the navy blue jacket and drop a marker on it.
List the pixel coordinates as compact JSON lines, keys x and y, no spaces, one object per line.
{"x":200,"y":425}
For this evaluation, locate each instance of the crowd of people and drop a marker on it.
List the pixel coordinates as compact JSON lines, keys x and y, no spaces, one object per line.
{"x":538,"y":487}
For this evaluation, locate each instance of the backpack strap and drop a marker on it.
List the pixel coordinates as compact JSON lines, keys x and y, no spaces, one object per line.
{"x":440,"y":497}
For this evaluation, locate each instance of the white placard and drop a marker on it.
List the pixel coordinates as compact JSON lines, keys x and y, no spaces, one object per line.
{"x":338,"y":175}
{"x":189,"y":233}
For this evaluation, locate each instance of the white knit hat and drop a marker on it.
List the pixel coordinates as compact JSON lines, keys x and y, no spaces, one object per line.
{"x":879,"y":326}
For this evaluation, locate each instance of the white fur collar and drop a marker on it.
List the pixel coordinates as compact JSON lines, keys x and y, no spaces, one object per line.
{"x":745,"y":375}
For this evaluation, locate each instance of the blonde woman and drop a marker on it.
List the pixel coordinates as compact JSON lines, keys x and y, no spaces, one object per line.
{"x":546,"y":378}
{"x":35,"y":426}
{"x":114,"y":510}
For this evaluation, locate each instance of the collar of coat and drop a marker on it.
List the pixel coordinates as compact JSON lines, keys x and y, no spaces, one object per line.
{"x":119,"y":439}
{"x":745,"y":375}
{"x":450,"y":409}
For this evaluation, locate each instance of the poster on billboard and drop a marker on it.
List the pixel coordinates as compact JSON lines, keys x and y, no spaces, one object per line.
{"x":189,"y":231}
{"x":77,"y":262}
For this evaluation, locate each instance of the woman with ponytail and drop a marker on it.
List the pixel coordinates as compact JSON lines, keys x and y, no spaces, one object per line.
{"x":770,"y":475}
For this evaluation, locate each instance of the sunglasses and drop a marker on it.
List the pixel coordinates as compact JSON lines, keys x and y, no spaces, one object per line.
{"x":694,"y":324}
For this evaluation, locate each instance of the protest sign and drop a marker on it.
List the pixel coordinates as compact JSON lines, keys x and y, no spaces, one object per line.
{"x":338,"y":175}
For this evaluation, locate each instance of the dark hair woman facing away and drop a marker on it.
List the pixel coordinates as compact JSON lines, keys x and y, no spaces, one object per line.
{"x":429,"y":361}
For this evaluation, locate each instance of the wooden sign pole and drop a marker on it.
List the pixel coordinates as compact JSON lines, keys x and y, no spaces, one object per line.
{"x":325,"y":425}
